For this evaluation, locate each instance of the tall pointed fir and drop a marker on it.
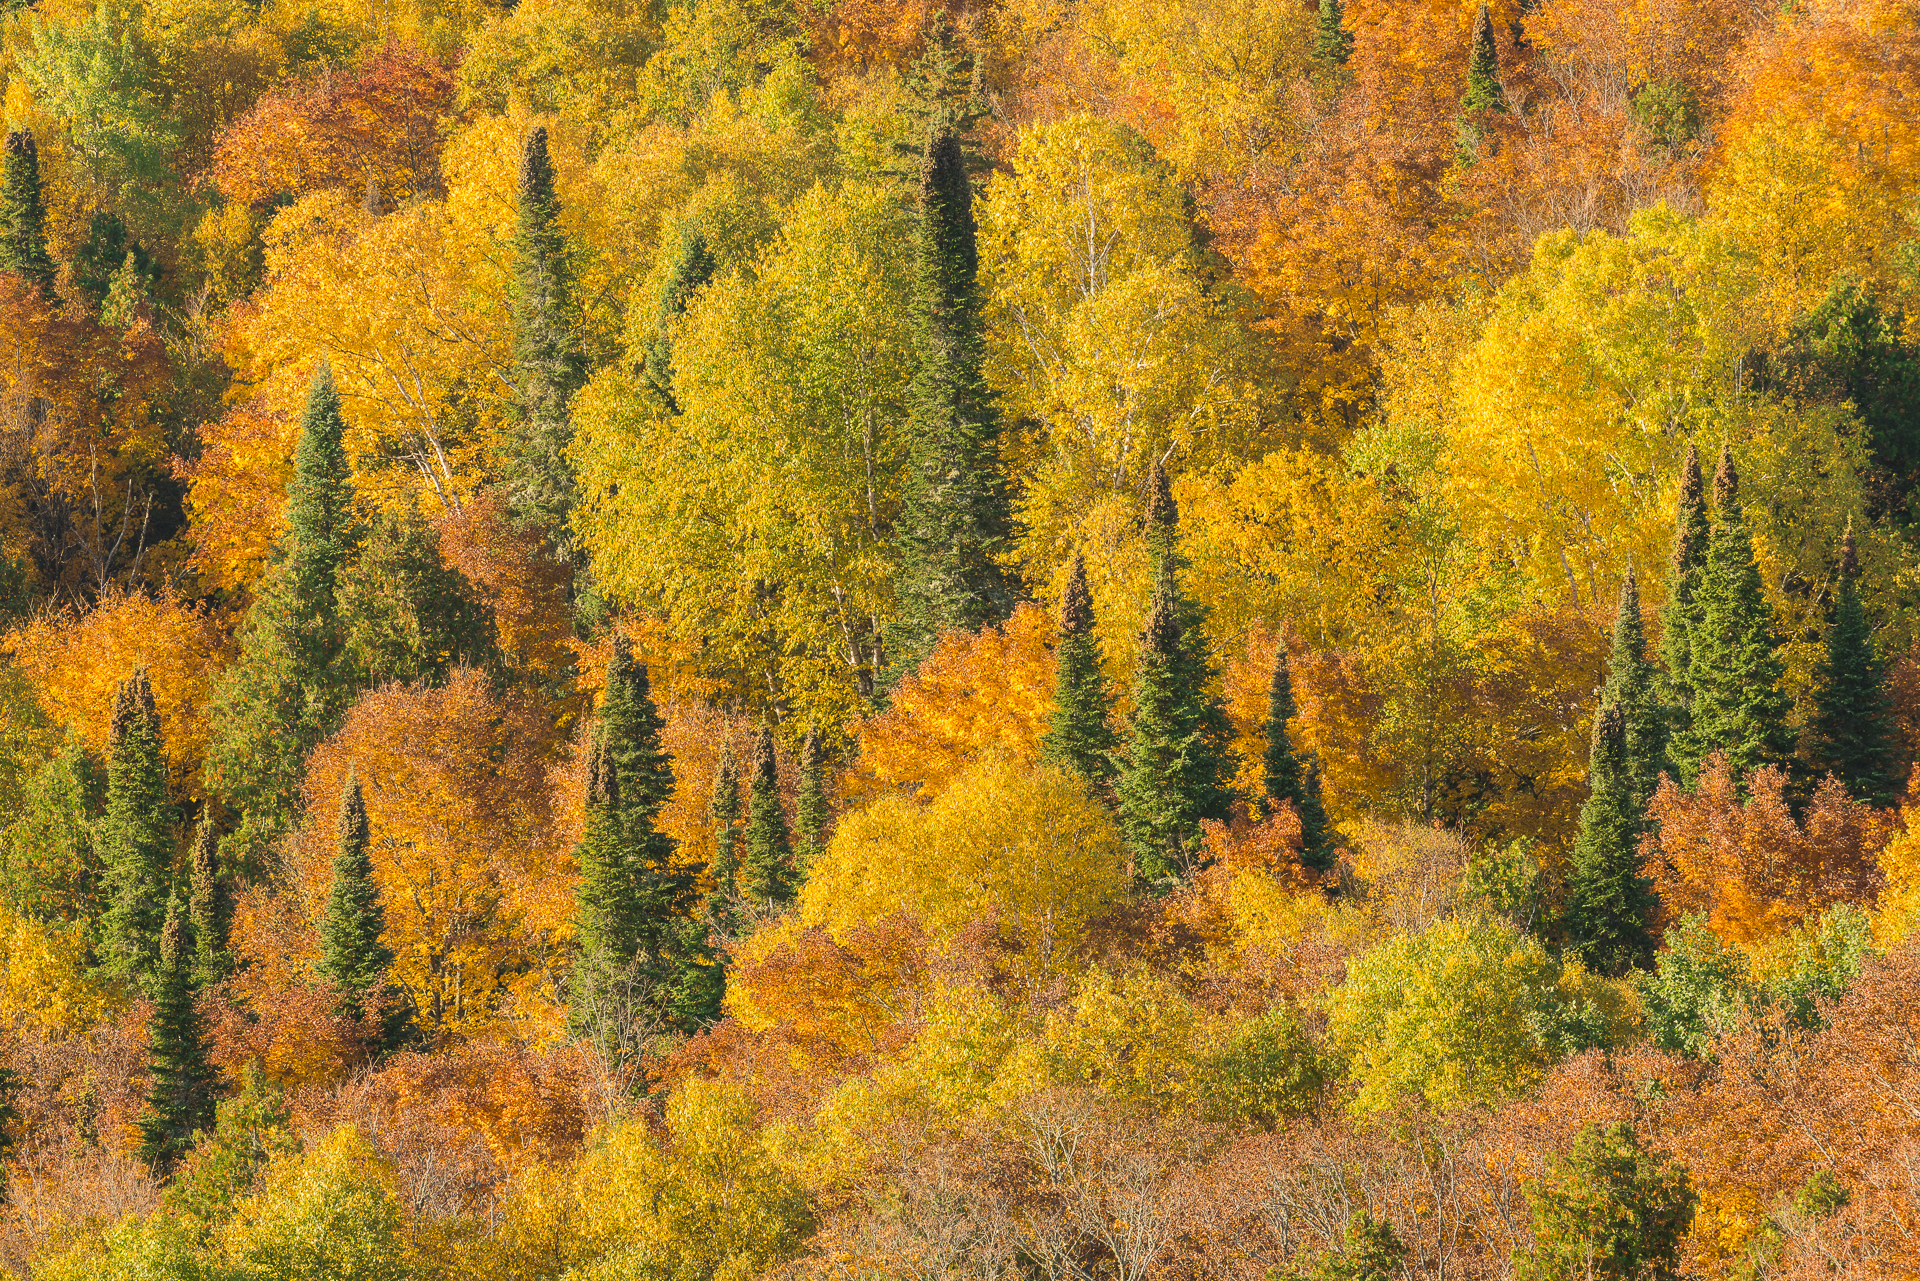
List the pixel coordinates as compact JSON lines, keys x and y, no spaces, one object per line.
{"x":1080,"y":735}
{"x":810,"y":812}
{"x":1691,"y":533}
{"x":1288,"y":777}
{"x":605,"y":917}
{"x":180,"y":1080}
{"x":766,"y":874}
{"x":1484,"y":96}
{"x":352,"y":956}
{"x":211,"y":909}
{"x":723,"y":898}
{"x":135,"y":836}
{"x":23,"y":212}
{"x":691,"y":267}
{"x":1175,"y":760}
{"x":1851,"y":734}
{"x":1633,"y":686}
{"x":1332,"y":42}
{"x":1609,"y":904}
{"x":1734,"y":669}
{"x":955,"y":517}
{"x":291,"y":684}
{"x":547,"y":368}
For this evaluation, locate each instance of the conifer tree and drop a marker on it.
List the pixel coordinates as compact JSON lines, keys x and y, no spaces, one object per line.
{"x":633,"y":727}
{"x":180,"y":1083}
{"x":1734,"y":669}
{"x":23,"y":211}
{"x":1332,"y":42}
{"x":1632,"y":686}
{"x":352,"y":955}
{"x":1483,"y":70}
{"x":1080,"y":736}
{"x":692,"y":266}
{"x":135,"y":834}
{"x":811,"y":814}
{"x":955,"y":518}
{"x":1289,"y":778}
{"x":547,"y":368}
{"x":52,"y":867}
{"x":723,"y":899}
{"x":605,"y":912}
{"x":766,"y":874}
{"x":1609,"y":903}
{"x":211,"y":909}
{"x":1692,"y":531}
{"x":1852,"y":735}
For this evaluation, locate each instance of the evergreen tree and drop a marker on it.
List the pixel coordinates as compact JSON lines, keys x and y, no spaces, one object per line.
{"x":633,"y":726}
{"x":723,"y":900}
{"x":547,"y":368}
{"x":180,"y":1085}
{"x":1691,"y":534}
{"x":1632,"y":686}
{"x":605,"y":912}
{"x":1483,"y":70}
{"x":692,"y":266}
{"x":955,"y":517}
{"x":1852,"y":735}
{"x":1609,"y":903}
{"x":1291,"y":779}
{"x":1738,"y":705}
{"x":1610,"y":1210}
{"x":136,"y":837}
{"x":1332,"y":42}
{"x":211,"y":909}
{"x":811,"y":814}
{"x":52,"y":868}
{"x":766,"y":875}
{"x":23,"y":212}
{"x":352,"y":956}
{"x":292,"y":683}
{"x":1080,"y":737}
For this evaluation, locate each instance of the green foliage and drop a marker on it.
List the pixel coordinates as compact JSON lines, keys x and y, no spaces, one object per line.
{"x":955,"y":518}
{"x":1263,"y":1071}
{"x":352,"y":955}
{"x":1371,"y":1252}
{"x":405,"y":615}
{"x":691,"y":267}
{"x":1817,"y":962}
{"x":1851,"y":348}
{"x":1080,"y":734}
{"x":1609,"y":1209}
{"x":1678,"y":614}
{"x":1666,"y":111}
{"x":105,"y":255}
{"x":810,"y":812}
{"x":180,"y":1081}
{"x":1288,"y":779}
{"x":23,"y":213}
{"x":136,"y":837}
{"x":250,"y":1129}
{"x":1851,"y":734}
{"x":1609,"y":904}
{"x":723,"y":899}
{"x":52,"y":863}
{"x":1506,"y":881}
{"x":331,"y":1212}
{"x":1694,"y":991}
{"x":766,"y":874}
{"x":210,"y":908}
{"x":1332,"y":42}
{"x":1483,"y":70}
{"x":547,"y":367}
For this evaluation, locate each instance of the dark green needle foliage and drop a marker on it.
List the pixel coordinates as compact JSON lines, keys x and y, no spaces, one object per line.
{"x":955,"y":519}
{"x":605,"y":911}
{"x":211,"y":909}
{"x":1483,"y":70}
{"x":1290,"y":778}
{"x":180,"y":1081}
{"x":1372,"y":1251}
{"x":405,"y":614}
{"x":547,"y":368}
{"x":1691,"y":533}
{"x":633,"y":727}
{"x":810,"y":811}
{"x":249,"y":1129}
{"x":1080,"y":736}
{"x":1609,"y":904}
{"x":52,"y":861}
{"x":136,"y":836}
{"x":1735,"y":669}
{"x":1609,"y":1209}
{"x":723,"y":899}
{"x":1633,"y":687}
{"x":1852,"y":731}
{"x":691,"y":267}
{"x":1332,"y":42}
{"x":352,"y":956}
{"x":23,"y":212}
{"x":766,"y":874}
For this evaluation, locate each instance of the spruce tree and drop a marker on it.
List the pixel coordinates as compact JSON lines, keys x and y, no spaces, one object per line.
{"x":691,"y":267}
{"x":1851,"y":734}
{"x":1080,"y":736}
{"x":547,"y":368}
{"x":633,"y":726}
{"x":1289,"y":778}
{"x":766,"y":874}
{"x":352,"y":956}
{"x":1332,"y":42}
{"x":723,"y":899}
{"x":1692,"y":531}
{"x":955,"y":517}
{"x":211,"y":909}
{"x":180,"y":1081}
{"x":135,"y":835}
{"x":811,"y":814}
{"x":1633,"y":686}
{"x":23,"y":212}
{"x":605,"y":916}
{"x":1483,"y":70}
{"x":1734,"y":670}
{"x":1609,"y":904}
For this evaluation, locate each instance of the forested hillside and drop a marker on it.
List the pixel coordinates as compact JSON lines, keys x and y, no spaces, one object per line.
{"x":1074,"y":640}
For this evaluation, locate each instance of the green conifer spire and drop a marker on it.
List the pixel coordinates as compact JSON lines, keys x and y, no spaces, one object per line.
{"x":211,"y":909}
{"x":1289,"y":779}
{"x":352,"y":956}
{"x":1691,"y":534}
{"x":1332,"y":42}
{"x":1632,"y":686}
{"x":135,"y":835}
{"x":1738,"y":705}
{"x":605,"y":916}
{"x":811,"y":814}
{"x":1609,"y":903}
{"x":1851,"y":735}
{"x":1483,"y":70}
{"x":547,"y":368}
{"x":633,"y":727}
{"x":23,"y":212}
{"x":723,"y":899}
{"x":180,"y":1081}
{"x":956,"y":516}
{"x":692,"y":266}
{"x":1080,"y":736}
{"x":766,"y":876}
